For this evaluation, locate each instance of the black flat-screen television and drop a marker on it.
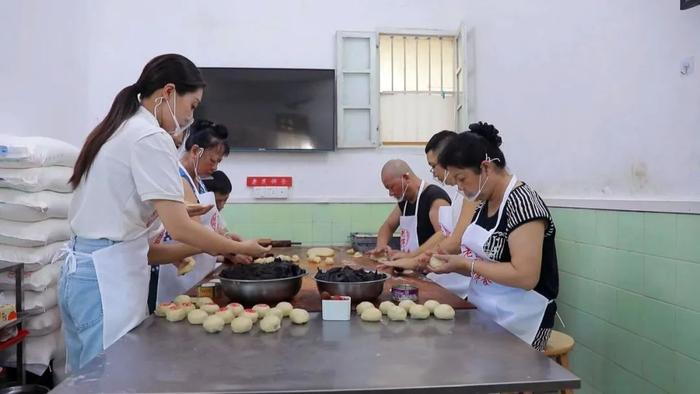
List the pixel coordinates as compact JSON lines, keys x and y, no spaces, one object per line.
{"x":272,"y":109}
{"x":685,"y":4}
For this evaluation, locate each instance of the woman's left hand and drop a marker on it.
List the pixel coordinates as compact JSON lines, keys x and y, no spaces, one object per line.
{"x":451,"y":263}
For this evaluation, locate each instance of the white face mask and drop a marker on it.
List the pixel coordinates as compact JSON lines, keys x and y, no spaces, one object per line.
{"x":444,"y":178}
{"x":403,"y":192}
{"x":473,"y":197}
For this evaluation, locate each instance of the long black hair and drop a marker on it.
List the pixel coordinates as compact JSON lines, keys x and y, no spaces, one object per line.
{"x":470,"y":148}
{"x":161,"y":70}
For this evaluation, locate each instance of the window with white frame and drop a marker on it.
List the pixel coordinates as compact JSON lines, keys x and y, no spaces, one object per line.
{"x":416,"y":87}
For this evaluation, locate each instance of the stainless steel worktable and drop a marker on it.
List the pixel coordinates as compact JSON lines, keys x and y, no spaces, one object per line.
{"x":469,"y":354}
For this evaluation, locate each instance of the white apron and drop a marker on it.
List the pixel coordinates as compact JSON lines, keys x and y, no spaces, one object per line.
{"x":408,"y":226}
{"x":122,"y":275}
{"x":454,"y":282}
{"x":517,"y":310}
{"x":170,"y":284}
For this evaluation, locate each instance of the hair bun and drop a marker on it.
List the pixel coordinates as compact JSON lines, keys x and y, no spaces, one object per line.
{"x":487,"y":131}
{"x":220,"y":131}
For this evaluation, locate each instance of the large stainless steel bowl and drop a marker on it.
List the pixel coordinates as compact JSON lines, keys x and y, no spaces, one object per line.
{"x":267,"y":291}
{"x":358,"y":291}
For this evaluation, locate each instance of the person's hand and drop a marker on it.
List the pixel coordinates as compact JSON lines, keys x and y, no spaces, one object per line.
{"x":379,"y":250}
{"x":197,"y":209}
{"x":450,"y":263}
{"x":397,"y":255}
{"x":251,"y":247}
{"x":234,"y":237}
{"x":404,"y":264}
{"x":239,"y":259}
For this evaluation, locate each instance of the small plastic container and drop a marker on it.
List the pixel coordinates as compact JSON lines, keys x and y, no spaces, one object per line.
{"x":336,"y":308}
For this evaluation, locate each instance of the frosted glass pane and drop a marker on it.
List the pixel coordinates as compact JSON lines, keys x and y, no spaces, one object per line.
{"x":423,"y":64}
{"x":398,"y":64}
{"x":356,"y":53}
{"x":460,"y":85}
{"x":356,"y":126}
{"x":384,"y":63}
{"x":448,"y":67}
{"x":415,"y":118}
{"x":411,"y":63}
{"x":435,"y":67}
{"x":356,"y":89}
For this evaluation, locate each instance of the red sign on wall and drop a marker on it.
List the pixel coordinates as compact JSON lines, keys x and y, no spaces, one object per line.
{"x":281,"y":181}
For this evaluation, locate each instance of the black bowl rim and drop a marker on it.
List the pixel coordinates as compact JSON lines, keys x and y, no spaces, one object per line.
{"x":264,"y":280}
{"x":354,"y":283}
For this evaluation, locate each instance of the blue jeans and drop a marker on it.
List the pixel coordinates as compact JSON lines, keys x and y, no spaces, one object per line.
{"x":80,"y":303}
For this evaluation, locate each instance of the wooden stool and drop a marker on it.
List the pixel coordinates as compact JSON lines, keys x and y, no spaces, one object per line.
{"x":558,"y":347}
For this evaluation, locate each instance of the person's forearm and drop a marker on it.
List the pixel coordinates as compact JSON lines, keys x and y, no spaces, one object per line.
{"x":167,"y":253}
{"x":504,"y":273}
{"x":428,"y":245}
{"x":451,"y":244}
{"x":384,"y":236}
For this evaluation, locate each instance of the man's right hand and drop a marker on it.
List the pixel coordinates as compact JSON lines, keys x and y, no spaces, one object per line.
{"x":251,"y":247}
{"x":379,"y":249}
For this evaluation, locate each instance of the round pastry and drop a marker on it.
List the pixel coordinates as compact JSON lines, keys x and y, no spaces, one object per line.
{"x":250,"y":314}
{"x":175,"y":314}
{"x":226,"y":314}
{"x":371,"y":315}
{"x":236,"y":308}
{"x":362,"y":306}
{"x":320,"y":252}
{"x":210,"y":308}
{"x":162,"y":308}
{"x":182,"y":299}
{"x":406,"y":304}
{"x":299,"y":316}
{"x":197,"y":316}
{"x":436,"y":262}
{"x":275,"y":312}
{"x":270,"y":323}
{"x":386,"y":306}
{"x":397,"y":313}
{"x":261,"y":309}
{"x":444,"y":312}
{"x":431,"y":304}
{"x":419,"y":312}
{"x":285,"y":307}
{"x":213,"y":324}
{"x":241,"y":324}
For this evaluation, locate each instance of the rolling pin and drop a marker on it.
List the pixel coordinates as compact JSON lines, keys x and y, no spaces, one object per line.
{"x":277,"y":243}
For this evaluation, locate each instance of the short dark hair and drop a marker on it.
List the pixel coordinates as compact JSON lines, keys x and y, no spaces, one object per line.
{"x":437,"y":138}
{"x":470,"y":148}
{"x":218,"y":183}
{"x":207,"y":134}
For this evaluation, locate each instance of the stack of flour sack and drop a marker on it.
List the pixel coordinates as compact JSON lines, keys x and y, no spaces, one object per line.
{"x":34,"y":201}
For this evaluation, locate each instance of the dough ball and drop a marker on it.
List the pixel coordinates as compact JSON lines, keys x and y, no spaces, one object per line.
{"x":295,"y":258}
{"x":210,"y":308}
{"x":270,"y":323}
{"x":188,"y":306}
{"x":241,"y":324}
{"x":187,"y":265}
{"x":435,"y":262}
{"x":419,"y":312}
{"x":362,"y":306}
{"x":385,"y":306}
{"x":371,"y":314}
{"x":321,"y":252}
{"x":226,"y":314}
{"x":203,"y":300}
{"x":431,"y":304}
{"x":285,"y":307}
{"x":175,"y":314}
{"x":236,"y":308}
{"x":299,"y":316}
{"x":357,"y":254}
{"x":197,"y":316}
{"x":250,"y":314}
{"x":350,"y":251}
{"x":275,"y":312}
{"x":406,"y":304}
{"x":316,"y":259}
{"x":329,"y":260}
{"x":213,"y":324}
{"x":162,"y":308}
{"x":182,"y":299}
{"x":261,"y":309}
{"x":396,"y":313}
{"x":444,"y":312}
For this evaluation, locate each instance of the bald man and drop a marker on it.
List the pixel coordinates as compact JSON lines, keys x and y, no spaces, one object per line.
{"x":410,"y":192}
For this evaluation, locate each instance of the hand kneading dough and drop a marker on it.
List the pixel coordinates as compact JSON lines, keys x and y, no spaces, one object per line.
{"x":162,"y":308}
{"x":261,"y":309}
{"x":431,"y":304}
{"x":182,"y":299}
{"x":419,"y":312}
{"x":285,"y":307}
{"x":444,"y":312}
{"x":251,"y":314}
{"x":213,"y":324}
{"x":210,"y":308}
{"x":299,"y":316}
{"x":397,"y":313}
{"x":406,"y":304}
{"x":371,"y":314}
{"x":236,"y":308}
{"x":321,"y":252}
{"x":241,"y":324}
{"x":362,"y":306}
{"x":175,"y":314}
{"x":197,"y":316}
{"x":270,"y":323}
{"x":226,"y":314}
{"x":275,"y":312}
{"x":386,"y":306}
{"x":435,"y":262}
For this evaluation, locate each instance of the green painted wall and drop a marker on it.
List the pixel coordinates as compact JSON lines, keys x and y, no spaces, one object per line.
{"x":629,"y":285}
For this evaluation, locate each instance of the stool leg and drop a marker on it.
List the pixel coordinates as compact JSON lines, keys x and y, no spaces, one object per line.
{"x":563,"y":360}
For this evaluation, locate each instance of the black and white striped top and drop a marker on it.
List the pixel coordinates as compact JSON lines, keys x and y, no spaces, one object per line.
{"x":522,"y":206}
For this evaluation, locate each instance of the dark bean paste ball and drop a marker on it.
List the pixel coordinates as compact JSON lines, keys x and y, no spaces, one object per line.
{"x":276,"y":270}
{"x":347,"y":274}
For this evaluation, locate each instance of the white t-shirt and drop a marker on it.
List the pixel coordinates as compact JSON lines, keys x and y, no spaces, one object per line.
{"x":136,"y":165}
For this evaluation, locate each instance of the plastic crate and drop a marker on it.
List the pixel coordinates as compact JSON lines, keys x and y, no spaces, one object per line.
{"x":363,"y":242}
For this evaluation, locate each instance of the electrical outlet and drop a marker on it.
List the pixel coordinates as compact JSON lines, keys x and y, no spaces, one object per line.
{"x":270,"y":192}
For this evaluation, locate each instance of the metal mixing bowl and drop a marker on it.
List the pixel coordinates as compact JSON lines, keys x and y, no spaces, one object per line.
{"x":266,"y":291}
{"x":358,"y":291}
